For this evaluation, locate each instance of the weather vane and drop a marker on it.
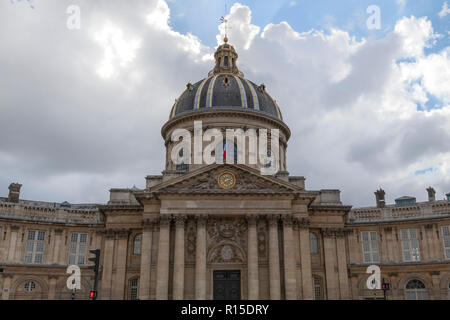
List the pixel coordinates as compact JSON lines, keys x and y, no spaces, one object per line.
{"x":225,"y":21}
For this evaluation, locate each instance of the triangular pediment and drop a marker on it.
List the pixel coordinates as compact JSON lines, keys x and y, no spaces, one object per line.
{"x":205,"y":180}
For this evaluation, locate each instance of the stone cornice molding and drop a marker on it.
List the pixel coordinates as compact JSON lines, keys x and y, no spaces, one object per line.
{"x":232,"y":113}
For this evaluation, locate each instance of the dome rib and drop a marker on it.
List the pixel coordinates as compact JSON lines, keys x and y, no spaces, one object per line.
{"x":226,"y":87}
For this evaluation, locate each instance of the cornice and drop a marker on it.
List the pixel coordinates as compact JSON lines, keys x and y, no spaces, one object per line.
{"x":234,"y":113}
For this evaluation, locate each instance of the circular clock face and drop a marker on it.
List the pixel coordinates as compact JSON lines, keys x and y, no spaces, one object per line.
{"x":226,"y":180}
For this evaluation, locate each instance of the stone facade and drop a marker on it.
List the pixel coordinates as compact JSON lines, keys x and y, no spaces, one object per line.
{"x":175,"y":238}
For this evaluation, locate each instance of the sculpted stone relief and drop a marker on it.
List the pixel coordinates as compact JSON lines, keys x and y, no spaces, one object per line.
{"x":208,"y":181}
{"x":227,"y":239}
{"x":191,"y":237}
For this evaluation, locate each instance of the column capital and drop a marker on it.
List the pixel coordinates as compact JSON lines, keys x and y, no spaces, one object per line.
{"x":333,"y":232}
{"x":122,"y":233}
{"x":287,"y":220}
{"x":164,"y":220}
{"x":302,"y":223}
{"x":149,"y":223}
{"x":180,"y":220}
{"x":273,"y":219}
{"x":110,"y":234}
{"x":252,"y":219}
{"x":201,"y":219}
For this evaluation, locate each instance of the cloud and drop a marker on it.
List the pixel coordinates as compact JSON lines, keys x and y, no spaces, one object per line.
{"x":82,"y":110}
{"x":445,"y":10}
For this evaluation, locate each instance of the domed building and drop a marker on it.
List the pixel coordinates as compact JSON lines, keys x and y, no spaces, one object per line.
{"x":225,"y":230}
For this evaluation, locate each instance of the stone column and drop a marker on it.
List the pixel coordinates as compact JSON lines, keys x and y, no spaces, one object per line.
{"x":341,"y":253}
{"x":121,"y":266}
{"x":425,"y":251}
{"x":7,"y":279}
{"x":305,"y":259}
{"x":52,"y":287}
{"x":274,"y":259}
{"x":289,"y":259}
{"x":439,"y":253}
{"x":252,"y":259}
{"x":108,"y":259}
{"x":58,"y":245}
{"x":14,"y":231}
{"x":162,"y":271}
{"x":331,"y":269}
{"x":200,"y":259}
{"x":178,"y":270}
{"x":390,"y":238}
{"x":146,"y":259}
{"x":435,"y":290}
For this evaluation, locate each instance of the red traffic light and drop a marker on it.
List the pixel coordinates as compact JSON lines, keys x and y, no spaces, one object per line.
{"x":92,"y":294}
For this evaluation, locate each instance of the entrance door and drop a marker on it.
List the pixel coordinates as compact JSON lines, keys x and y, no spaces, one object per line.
{"x":227,"y":284}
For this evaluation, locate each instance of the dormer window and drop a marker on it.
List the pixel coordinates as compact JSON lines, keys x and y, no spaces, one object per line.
{"x":226,"y":62}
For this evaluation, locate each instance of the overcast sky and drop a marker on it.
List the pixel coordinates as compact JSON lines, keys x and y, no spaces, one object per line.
{"x":81,"y":109}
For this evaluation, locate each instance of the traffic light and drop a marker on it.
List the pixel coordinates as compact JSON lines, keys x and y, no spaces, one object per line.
{"x":95,"y":267}
{"x":96,"y":260}
{"x":385,"y":286}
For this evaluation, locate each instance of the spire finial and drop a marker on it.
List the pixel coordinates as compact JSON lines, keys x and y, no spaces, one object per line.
{"x":225,"y":21}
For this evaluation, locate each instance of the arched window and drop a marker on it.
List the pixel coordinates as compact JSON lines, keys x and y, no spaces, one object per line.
{"x":317,"y":288}
{"x":30,"y":286}
{"x":415,"y":290}
{"x":137,"y":244}
{"x":314,"y":243}
{"x":134,"y":289}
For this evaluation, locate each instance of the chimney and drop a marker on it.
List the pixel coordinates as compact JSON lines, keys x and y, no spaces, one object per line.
{"x":431,"y":194}
{"x":379,"y":195}
{"x":14,"y":192}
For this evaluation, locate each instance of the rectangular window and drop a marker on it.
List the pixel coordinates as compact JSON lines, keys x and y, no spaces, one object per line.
{"x":446,"y":239}
{"x":134,"y":289}
{"x":34,"y":249}
{"x":370,"y":247}
{"x":410,"y":245}
{"x":77,"y":248}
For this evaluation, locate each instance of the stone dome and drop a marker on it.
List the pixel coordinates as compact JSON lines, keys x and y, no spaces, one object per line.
{"x":225,"y":88}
